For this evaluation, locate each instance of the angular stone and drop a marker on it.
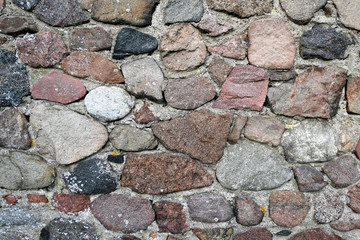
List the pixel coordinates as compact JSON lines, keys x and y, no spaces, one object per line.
{"x":354,"y":198}
{"x":144,"y":115}
{"x":27,"y":5}
{"x":245,"y":88}
{"x":209,"y":208}
{"x":85,"y":64}
{"x":183,"y":11}
{"x":265,"y":169}
{"x":66,"y":140}
{"x":132,"y":12}
{"x":127,"y":138}
{"x":254,"y":234}
{"x":144,"y":78}
{"x":16,"y":216}
{"x":163,"y":173}
{"x":348,"y":13}
{"x":275,"y":75}
{"x":34,"y":198}
{"x":67,"y":229}
{"x":92,"y":176}
{"x":264,"y":129}
{"x":247,"y":211}
{"x":231,"y":49}
{"x":90,"y":39}
{"x":353,"y":95}
{"x":70,"y":203}
{"x":189,"y":93}
{"x":15,"y":25}
{"x":20,"y":170}
{"x":243,"y":9}
{"x":170,"y":217}
{"x":44,"y":49}
{"x":238,"y":126}
{"x":328,"y":207}
{"x":58,"y":87}
{"x":201,"y":134}
{"x":301,"y":12}
{"x":60,"y":13}
{"x":219,"y":70}
{"x":315,"y":233}
{"x":108,"y":103}
{"x":212,"y":27}
{"x":309,"y":179}
{"x":315,"y":93}
{"x":271,"y":44}
{"x":213,"y":234}
{"x":346,"y":226}
{"x":10,"y":199}
{"x":13,"y":129}
{"x":14,"y":83}
{"x":182,"y":48}
{"x":348,"y":132}
{"x":119,"y":212}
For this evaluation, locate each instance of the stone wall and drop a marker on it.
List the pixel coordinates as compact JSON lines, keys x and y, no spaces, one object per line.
{"x":179,"y":119}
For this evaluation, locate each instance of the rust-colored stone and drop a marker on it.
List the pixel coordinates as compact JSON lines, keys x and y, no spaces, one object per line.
{"x":170,"y":217}
{"x":70,"y":203}
{"x":11,"y":199}
{"x":254,"y":234}
{"x":144,"y":115}
{"x":90,"y":39}
{"x":353,"y":95}
{"x":354,"y":196}
{"x":315,"y":234}
{"x":34,"y":198}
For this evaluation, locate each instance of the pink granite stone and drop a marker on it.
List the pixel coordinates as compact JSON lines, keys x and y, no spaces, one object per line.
{"x":231,"y":49}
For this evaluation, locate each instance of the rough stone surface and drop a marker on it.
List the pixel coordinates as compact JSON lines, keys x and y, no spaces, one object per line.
{"x":354,"y":198}
{"x":213,"y":233}
{"x":90,"y":39}
{"x":86,"y":4}
{"x":182,"y":48}
{"x":34,"y":198}
{"x":238,"y":126}
{"x":231,"y":49}
{"x":130,"y":41}
{"x":144,"y":115}
{"x":271,"y":44}
{"x":247,"y":211}
{"x":133,"y":12}
{"x":27,"y":5}
{"x":16,"y":216}
{"x":183,"y":11}
{"x":70,"y":203}
{"x":66,"y":141}
{"x":265,"y":169}
{"x":189,"y":93}
{"x":92,"y":176}
{"x":127,"y":138}
{"x":301,"y":12}
{"x":123,"y":213}
{"x":25,"y":171}
{"x":2,"y":5}
{"x":288,"y":209}
{"x":201,"y":134}
{"x":13,"y":129}
{"x":309,"y":179}
{"x":44,"y":49}
{"x":245,"y":88}
{"x":324,"y":42}
{"x":108,"y":103}
{"x":275,"y":75}
{"x":13,"y":235}
{"x":144,"y":78}
{"x":14,"y":83}
{"x":219,"y":70}
{"x":209,"y":208}
{"x":16,"y":25}
{"x":264,"y":129}
{"x":315,"y":233}
{"x":11,"y":199}
{"x":61,"y":13}
{"x":163,"y":173}
{"x":212,"y":27}
{"x":58,"y":87}
{"x":315,"y":93}
{"x":328,"y":207}
{"x":346,"y":226}
{"x":348,"y":134}
{"x":85,"y":64}
{"x":353,"y":95}
{"x":348,"y":12}
{"x":254,"y":234}
{"x":170,"y":217}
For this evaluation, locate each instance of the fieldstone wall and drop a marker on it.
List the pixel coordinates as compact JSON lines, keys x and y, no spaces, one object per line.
{"x":179,"y":119}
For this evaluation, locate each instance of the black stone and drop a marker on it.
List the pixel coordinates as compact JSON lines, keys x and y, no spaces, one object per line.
{"x":92,"y":176}
{"x":129,"y":237}
{"x":14,"y":83}
{"x":27,"y":5}
{"x":324,"y":42}
{"x":116,"y":158}
{"x":283,"y":233}
{"x":66,"y":229}
{"x":130,"y":41}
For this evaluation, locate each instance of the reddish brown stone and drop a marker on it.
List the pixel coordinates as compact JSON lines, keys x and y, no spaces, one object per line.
{"x":353,"y":95}
{"x":44,"y":49}
{"x":170,"y":217}
{"x":245,"y":88}
{"x":90,"y":39}
{"x":354,"y":197}
{"x":211,"y":26}
{"x":2,"y":40}
{"x":346,"y":226}
{"x":37,"y":198}
{"x":238,"y":126}
{"x":85,"y":64}
{"x":309,"y":179}
{"x":248,"y":212}
{"x":16,"y":25}
{"x":315,"y":234}
{"x":201,"y":134}
{"x":172,"y":238}
{"x":231,"y":49}
{"x":213,"y":234}
{"x":11,"y":199}
{"x":254,"y":234}
{"x":144,"y":115}
{"x":70,"y":203}
{"x":348,"y":135}
{"x":58,"y":87}
{"x":357,"y":149}
{"x":163,"y":173}
{"x":219,"y":70}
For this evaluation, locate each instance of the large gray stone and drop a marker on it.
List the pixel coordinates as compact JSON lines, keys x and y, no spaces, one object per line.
{"x":183,"y":11}
{"x":328,"y":207}
{"x":302,"y":11}
{"x":16,"y":216}
{"x":348,"y":11}
{"x":252,"y":166}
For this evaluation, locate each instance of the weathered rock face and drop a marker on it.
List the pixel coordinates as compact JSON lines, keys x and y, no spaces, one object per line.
{"x":254,"y":234}
{"x":200,"y":134}
{"x":219,"y":70}
{"x":183,"y":11}
{"x":15,"y":25}
{"x":315,"y":93}
{"x":213,"y":233}
{"x":301,"y":12}
{"x":353,"y":95}
{"x":163,"y":173}
{"x":309,"y":179}
{"x":90,"y":39}
{"x":315,"y":233}
{"x":354,"y":197}
{"x":347,"y":11}
{"x":132,"y":12}
{"x":86,"y":4}
{"x":345,"y":226}
{"x":231,"y":49}
{"x":348,"y":134}
{"x":27,"y":5}
{"x":70,"y":203}
{"x":35,"y":198}
{"x":247,"y":211}
{"x":182,"y":48}
{"x":328,"y":207}
{"x":144,"y":115}
{"x":14,"y":235}
{"x":16,"y":217}
{"x":212,"y":27}
{"x":276,"y":75}
{"x":265,"y":169}
{"x":238,"y":126}
{"x":170,"y":217}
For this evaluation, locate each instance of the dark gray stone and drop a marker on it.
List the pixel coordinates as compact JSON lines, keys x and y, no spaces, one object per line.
{"x":16,"y":216}
{"x":15,"y":25}
{"x":27,"y":5}
{"x":131,"y":41}
{"x":183,"y":11}
{"x":324,"y":42}
{"x":92,"y":176}
{"x":14,"y":84}
{"x":283,"y":233}
{"x":309,"y":179}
